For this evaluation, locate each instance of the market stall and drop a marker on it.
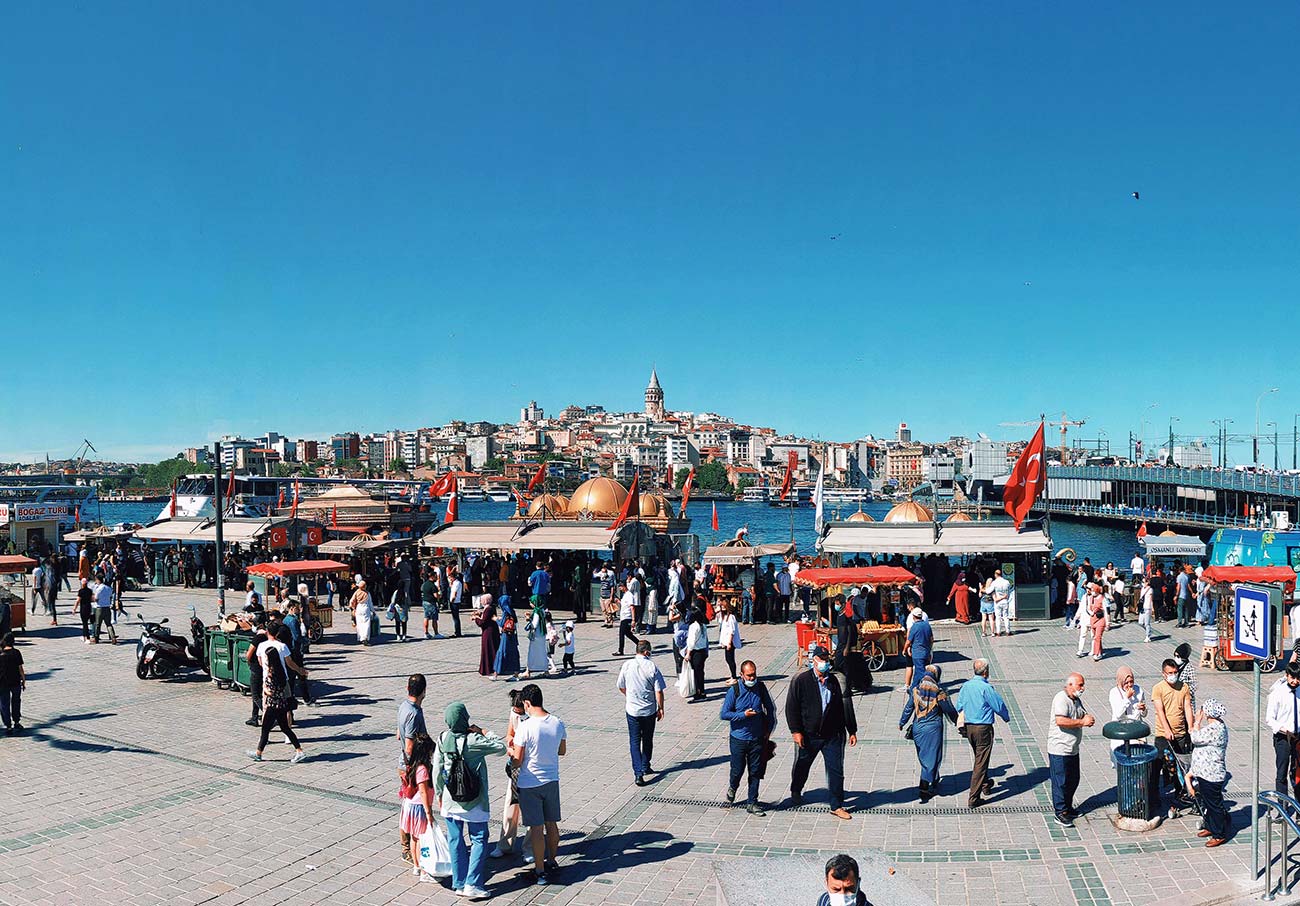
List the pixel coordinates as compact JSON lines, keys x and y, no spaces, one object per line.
{"x":14,"y":585}
{"x":729,"y":561}
{"x":318,"y":616}
{"x":879,"y":638}
{"x":1222,"y":579}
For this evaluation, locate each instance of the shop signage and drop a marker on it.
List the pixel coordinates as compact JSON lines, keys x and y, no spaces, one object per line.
{"x":34,"y":512}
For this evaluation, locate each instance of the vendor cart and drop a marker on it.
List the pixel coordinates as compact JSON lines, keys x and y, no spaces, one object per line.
{"x":880,"y":640}
{"x":1222,"y":579}
{"x":316,"y":616}
{"x":14,"y":587}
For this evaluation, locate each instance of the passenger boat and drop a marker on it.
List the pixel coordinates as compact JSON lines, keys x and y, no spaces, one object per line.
{"x":754,"y":494}
{"x":797,"y":497}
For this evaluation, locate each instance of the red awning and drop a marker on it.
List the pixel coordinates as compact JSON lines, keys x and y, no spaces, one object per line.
{"x":855,"y":575}
{"x":1265,"y":574}
{"x":16,"y":564}
{"x":298,"y":568}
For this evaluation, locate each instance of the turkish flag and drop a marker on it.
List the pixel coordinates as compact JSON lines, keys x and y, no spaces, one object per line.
{"x":715,"y":515}
{"x":444,"y":485}
{"x":519,"y":498}
{"x":1026,"y":480}
{"x":792,"y":459}
{"x":453,"y":510}
{"x":230,"y":485}
{"x":686,"y":492}
{"x":1142,"y":529}
{"x":631,"y":506}
{"x":315,"y":536}
{"x":279,"y":536}
{"x":280,"y":502}
{"x":294,"y":512}
{"x":334,"y":517}
{"x":537,"y":478}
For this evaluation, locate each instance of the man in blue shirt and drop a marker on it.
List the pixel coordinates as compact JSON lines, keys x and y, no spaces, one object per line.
{"x":751,"y":712}
{"x":978,"y":703}
{"x":1184,"y":586}
{"x":919,"y":646}
{"x":539,"y":583}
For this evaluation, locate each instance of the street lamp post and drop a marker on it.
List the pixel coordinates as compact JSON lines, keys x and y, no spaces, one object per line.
{"x":1142,"y":431}
{"x":1258,"y":400}
{"x":1273,"y":425}
{"x":1223,"y":439}
{"x":1169,"y":454}
{"x":1294,"y":435}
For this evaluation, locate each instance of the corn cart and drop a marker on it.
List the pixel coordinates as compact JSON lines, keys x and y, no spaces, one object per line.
{"x":13,"y":588}
{"x":317,"y":617}
{"x":1222,"y":579}
{"x":879,"y":640}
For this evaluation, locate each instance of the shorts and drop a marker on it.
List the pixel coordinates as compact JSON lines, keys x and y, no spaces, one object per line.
{"x":430,"y":610}
{"x":986,"y":605}
{"x":539,"y":804}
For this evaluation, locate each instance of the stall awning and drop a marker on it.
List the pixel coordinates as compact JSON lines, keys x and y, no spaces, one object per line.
{"x":950,"y":539}
{"x":516,"y":536}
{"x":97,"y":534}
{"x":1263,"y":574}
{"x":233,"y":531}
{"x":854,"y":575}
{"x":743,"y":554}
{"x":298,"y":568}
{"x":1173,"y":545}
{"x":16,"y":564}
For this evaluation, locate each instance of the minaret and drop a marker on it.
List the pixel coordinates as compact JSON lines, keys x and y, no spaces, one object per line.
{"x":654,"y":397}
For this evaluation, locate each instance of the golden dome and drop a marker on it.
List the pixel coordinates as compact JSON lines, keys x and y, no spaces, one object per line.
{"x":653,"y":505}
{"x":909,"y":511}
{"x":555,"y":504}
{"x":860,"y":516}
{"x":958,"y":517}
{"x":1168,"y":533}
{"x":599,"y":497}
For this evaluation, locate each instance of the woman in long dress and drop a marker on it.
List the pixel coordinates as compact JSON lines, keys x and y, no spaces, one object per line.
{"x":927,"y":705}
{"x":537,"y":645}
{"x":486,"y":617}
{"x":507,"y":660}
{"x":364,"y":609}
{"x":960,"y":596}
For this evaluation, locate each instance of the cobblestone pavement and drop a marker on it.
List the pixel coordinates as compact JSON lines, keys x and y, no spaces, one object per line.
{"x":139,"y":791}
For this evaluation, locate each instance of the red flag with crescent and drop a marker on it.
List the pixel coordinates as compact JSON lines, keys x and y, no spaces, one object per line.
{"x":537,"y":478}
{"x":444,"y":485}
{"x":279,"y":536}
{"x":280,"y":501}
{"x":1142,"y":529}
{"x":453,"y":507}
{"x":334,"y":517}
{"x":315,"y":536}
{"x":686,"y":492}
{"x":520,"y":498}
{"x":1026,"y":480}
{"x":230,"y":485}
{"x":791,"y":461}
{"x":715,"y":515}
{"x":631,"y":506}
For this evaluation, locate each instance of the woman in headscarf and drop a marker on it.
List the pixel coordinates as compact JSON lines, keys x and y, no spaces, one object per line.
{"x":697,"y":644}
{"x":1127,"y":702}
{"x":486,"y":618}
{"x":538,"y":653}
{"x":1209,"y":767}
{"x":473,"y":745}
{"x":927,"y":705}
{"x":507,"y":659}
{"x":959,"y":596}
{"x":364,"y":611}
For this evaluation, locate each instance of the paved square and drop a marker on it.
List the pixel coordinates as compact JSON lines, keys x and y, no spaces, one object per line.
{"x":130,"y":791}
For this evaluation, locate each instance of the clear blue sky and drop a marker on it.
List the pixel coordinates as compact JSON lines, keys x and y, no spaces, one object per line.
{"x":326,"y":216}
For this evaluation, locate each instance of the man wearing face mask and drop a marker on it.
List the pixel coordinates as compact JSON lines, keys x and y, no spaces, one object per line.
{"x":1283,"y":717}
{"x":819,"y":714}
{"x":1173,"y":711}
{"x":749,"y":708}
{"x":843,"y":883}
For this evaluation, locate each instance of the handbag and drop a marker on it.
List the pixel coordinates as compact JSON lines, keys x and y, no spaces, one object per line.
{"x":435,"y":851}
{"x":961,"y":722}
{"x":907,"y":734}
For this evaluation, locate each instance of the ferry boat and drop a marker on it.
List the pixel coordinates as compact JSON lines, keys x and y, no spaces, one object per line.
{"x":257,"y":495}
{"x":499,"y":495}
{"x":754,"y":494}
{"x":797,"y":497}
{"x":846,"y":495}
{"x":64,"y":503}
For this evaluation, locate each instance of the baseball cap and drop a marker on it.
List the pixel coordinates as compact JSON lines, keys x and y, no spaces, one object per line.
{"x":821,"y":652}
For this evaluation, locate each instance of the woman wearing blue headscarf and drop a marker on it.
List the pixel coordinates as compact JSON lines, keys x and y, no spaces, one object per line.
{"x":927,"y":706}
{"x":507,"y":659}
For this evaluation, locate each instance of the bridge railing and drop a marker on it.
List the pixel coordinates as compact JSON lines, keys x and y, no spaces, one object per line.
{"x":1132,"y":512}
{"x":1220,"y":479}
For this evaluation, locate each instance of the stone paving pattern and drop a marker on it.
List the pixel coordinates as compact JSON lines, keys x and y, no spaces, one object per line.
{"x":139,"y":791}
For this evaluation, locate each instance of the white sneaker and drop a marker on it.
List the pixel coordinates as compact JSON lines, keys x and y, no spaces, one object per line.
{"x":474,"y":893}
{"x":297,"y":757}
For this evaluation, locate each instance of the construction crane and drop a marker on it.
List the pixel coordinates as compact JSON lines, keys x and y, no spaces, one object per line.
{"x":86,"y":447}
{"x":1065,"y":425}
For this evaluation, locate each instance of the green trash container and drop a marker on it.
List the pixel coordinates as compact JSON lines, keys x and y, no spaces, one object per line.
{"x":220,"y":661}
{"x":243,"y":673}
{"x":1133,"y":767}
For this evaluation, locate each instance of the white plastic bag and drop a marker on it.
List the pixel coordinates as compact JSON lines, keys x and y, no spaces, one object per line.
{"x":686,"y":680}
{"x":435,"y":851}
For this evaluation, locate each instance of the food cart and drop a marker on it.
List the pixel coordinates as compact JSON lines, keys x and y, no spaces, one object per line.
{"x":318,"y":617}
{"x":731,"y":558}
{"x":1222,"y":579}
{"x":14,"y":571}
{"x":880,"y":639}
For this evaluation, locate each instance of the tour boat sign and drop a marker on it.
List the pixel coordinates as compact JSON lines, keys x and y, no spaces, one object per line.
{"x":33,"y":512}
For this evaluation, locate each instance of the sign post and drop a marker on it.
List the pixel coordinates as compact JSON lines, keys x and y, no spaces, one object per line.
{"x":1252,"y":633}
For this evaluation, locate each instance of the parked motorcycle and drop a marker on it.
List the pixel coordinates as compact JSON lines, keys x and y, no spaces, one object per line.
{"x":159,"y":652}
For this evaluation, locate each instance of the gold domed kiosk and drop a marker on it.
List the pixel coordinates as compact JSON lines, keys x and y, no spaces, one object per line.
{"x":651,"y":505}
{"x":909,"y":511}
{"x":860,"y":516}
{"x":597,"y":497}
{"x":1168,"y":533}
{"x":548,"y":505}
{"x":959,"y":517}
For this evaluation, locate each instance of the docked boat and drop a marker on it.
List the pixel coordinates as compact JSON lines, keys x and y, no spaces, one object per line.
{"x":846,"y":495}
{"x":754,"y":494}
{"x":499,"y":495}
{"x":797,"y":497}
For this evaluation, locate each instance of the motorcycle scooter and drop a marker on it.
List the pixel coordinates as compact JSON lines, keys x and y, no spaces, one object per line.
{"x":159,"y":653}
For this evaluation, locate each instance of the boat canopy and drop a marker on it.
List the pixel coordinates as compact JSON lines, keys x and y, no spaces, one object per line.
{"x":520,"y":536}
{"x":854,"y":575}
{"x":948,"y":538}
{"x":1173,"y":545}
{"x":193,"y":528}
{"x":1263,"y":574}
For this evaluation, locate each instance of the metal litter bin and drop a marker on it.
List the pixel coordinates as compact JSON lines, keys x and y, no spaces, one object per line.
{"x":1133,"y":770}
{"x":220,"y":660}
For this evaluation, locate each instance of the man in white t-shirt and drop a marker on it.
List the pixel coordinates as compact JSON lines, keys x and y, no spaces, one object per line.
{"x":538,"y":744}
{"x":643,"y":687}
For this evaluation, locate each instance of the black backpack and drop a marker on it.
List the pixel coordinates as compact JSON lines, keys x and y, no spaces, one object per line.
{"x":462,"y":781}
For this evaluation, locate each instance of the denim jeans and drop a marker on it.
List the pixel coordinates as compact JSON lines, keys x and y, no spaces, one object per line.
{"x":467,"y":861}
{"x":1065,"y":780}
{"x":746,"y":754}
{"x":746,"y":607}
{"x":641,"y":741}
{"x":832,"y":752}
{"x":11,"y":705}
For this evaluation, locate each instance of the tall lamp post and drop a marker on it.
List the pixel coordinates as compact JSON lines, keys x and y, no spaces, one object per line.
{"x":1142,"y":431}
{"x":1294,"y":425}
{"x":1223,"y":439}
{"x":1273,"y":425}
{"x":1169,"y":457}
{"x":1258,"y":400}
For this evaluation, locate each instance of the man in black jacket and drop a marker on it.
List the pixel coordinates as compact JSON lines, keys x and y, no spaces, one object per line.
{"x":819,"y":715}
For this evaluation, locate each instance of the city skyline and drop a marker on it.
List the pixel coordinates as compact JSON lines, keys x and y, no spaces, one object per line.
{"x":827,"y":221}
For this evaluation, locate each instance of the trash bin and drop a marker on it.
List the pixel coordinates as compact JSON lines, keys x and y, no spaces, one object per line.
{"x":220,"y":661}
{"x":243,"y":673}
{"x":1133,"y":779}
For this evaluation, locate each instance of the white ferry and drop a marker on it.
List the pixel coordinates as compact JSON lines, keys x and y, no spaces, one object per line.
{"x":64,"y":503}
{"x":754,"y":494}
{"x":256,"y":495}
{"x":846,"y":495}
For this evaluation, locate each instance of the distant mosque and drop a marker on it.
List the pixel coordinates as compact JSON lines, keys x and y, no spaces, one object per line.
{"x":654,"y":398}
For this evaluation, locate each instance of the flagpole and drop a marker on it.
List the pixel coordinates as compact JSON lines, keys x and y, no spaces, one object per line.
{"x":221,"y":578}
